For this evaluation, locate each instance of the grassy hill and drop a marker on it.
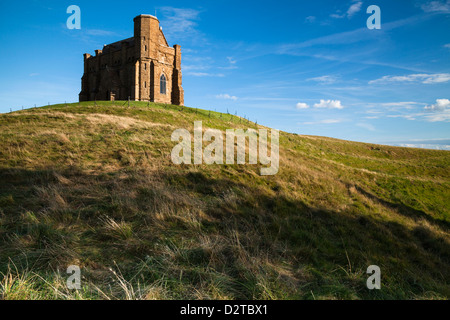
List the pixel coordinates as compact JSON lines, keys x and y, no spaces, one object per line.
{"x":94,"y":186}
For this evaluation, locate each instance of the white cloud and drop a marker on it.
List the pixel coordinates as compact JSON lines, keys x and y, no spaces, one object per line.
{"x":226,"y":97}
{"x":323,"y":79}
{"x":326,"y":121}
{"x":329,"y":104}
{"x":436,"y":6}
{"x":424,"y":78}
{"x":423,"y":146}
{"x":325,"y":104}
{"x":310,"y":19}
{"x":447,"y":45}
{"x":354,"y":8}
{"x":440,"y":111}
{"x":440,"y":105}
{"x":302,"y":105}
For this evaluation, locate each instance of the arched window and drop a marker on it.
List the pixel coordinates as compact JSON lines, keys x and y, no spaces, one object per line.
{"x":162,"y":84}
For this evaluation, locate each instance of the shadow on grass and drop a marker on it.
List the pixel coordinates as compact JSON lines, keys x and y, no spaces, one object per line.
{"x":248,"y":241}
{"x":403,"y":209}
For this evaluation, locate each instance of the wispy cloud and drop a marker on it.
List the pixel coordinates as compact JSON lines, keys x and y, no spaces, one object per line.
{"x":99,"y":32}
{"x":181,"y":23}
{"x":403,"y":106}
{"x":226,"y":96}
{"x":196,"y":63}
{"x":366,"y":125}
{"x":204,"y":74}
{"x":438,"y":117}
{"x":189,"y":67}
{"x":409,"y":110}
{"x":406,"y":104}
{"x":231,"y":60}
{"x":231,"y":64}
{"x":404,"y":116}
{"x":424,"y":78}
{"x":437,"y":6}
{"x":351,"y":11}
{"x":94,"y":36}
{"x":310,"y":19}
{"x":326,"y":121}
{"x":347,"y":37}
{"x":324,"y":79}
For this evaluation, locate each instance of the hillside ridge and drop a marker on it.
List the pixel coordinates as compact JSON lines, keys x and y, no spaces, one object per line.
{"x":92,"y":184}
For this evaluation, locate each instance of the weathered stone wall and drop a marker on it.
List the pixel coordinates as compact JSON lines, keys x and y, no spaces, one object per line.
{"x":132,"y":68}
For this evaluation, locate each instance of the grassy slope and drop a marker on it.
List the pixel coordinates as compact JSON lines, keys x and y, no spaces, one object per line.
{"x":95,"y":186}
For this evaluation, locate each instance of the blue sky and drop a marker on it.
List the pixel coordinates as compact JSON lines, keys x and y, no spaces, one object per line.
{"x":309,"y":67}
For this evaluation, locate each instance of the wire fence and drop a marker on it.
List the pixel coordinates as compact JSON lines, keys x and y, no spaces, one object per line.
{"x":235,"y":118}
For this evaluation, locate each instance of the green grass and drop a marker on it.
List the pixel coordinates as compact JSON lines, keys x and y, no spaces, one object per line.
{"x":93,"y":185}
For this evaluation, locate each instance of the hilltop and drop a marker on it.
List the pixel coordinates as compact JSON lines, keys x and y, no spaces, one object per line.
{"x":93,"y":184}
